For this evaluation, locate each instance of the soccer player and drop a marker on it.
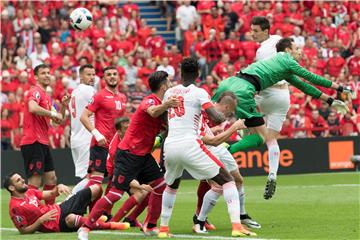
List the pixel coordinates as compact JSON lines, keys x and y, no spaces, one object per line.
{"x":274,"y":101}
{"x":30,"y":215}
{"x":133,"y":160}
{"x":265,"y":73}
{"x":207,"y":199}
{"x":80,"y":137}
{"x":106,"y":106}
{"x":183,"y":148}
{"x":34,"y":144}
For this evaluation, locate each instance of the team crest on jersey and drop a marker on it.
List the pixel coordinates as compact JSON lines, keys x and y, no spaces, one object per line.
{"x":18,"y":219}
{"x":151,"y":101}
{"x":37,"y":95}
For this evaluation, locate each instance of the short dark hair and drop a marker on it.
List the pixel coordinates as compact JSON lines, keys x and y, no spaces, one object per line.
{"x":119,"y":121}
{"x":262,"y":21}
{"x":82,"y":68}
{"x":109,"y":68}
{"x":156,"y":79}
{"x":189,"y":69}
{"x":227,"y":97}
{"x":283,"y":44}
{"x":7,"y":181}
{"x":40,"y":66}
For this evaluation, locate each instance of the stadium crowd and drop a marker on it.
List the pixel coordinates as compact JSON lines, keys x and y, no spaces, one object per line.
{"x":34,"y":33}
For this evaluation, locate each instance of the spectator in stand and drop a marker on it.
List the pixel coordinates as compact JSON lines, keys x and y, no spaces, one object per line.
{"x":248,"y":48}
{"x":212,"y":49}
{"x":353,"y":63}
{"x":232,"y":47}
{"x":185,"y":16}
{"x":56,"y":137}
{"x":287,"y":130}
{"x":175,"y":57}
{"x":144,"y":72}
{"x":166,"y":68}
{"x":213,"y":21}
{"x":298,"y":38}
{"x":303,"y":123}
{"x":348,"y":125}
{"x":122,"y":21}
{"x":45,"y":30}
{"x":39,"y":56}
{"x":220,"y":71}
{"x":131,"y":72}
{"x":318,"y":121}
{"x":335,"y":63}
{"x":27,"y":36}
{"x":324,"y":110}
{"x":7,"y":27}
{"x":20,"y":59}
{"x":129,"y":8}
{"x":209,"y":85}
{"x":333,"y":123}
{"x":156,"y":43}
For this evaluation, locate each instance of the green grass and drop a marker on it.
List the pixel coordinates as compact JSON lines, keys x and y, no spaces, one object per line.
{"x":311,"y":206}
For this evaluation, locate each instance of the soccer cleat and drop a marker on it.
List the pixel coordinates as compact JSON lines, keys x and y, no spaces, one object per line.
{"x":133,"y":223}
{"x":200,"y":228}
{"x":119,"y":225}
{"x":103,"y":218}
{"x":150,"y":231}
{"x":239,"y":230}
{"x":270,"y":188}
{"x":246,"y":220}
{"x":83,"y":233}
{"x":209,"y":226}
{"x":164,"y":232}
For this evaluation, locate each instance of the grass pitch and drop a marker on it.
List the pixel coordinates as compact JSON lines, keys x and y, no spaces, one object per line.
{"x":308,"y":206}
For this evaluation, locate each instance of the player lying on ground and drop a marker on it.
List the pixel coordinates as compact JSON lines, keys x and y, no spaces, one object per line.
{"x":263,"y":74}
{"x":183,"y":148}
{"x":208,"y":196}
{"x":30,"y":215}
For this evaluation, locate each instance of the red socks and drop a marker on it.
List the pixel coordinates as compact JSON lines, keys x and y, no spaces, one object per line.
{"x":125,"y":208}
{"x":202,"y":189}
{"x":139,"y":208}
{"x":47,"y":188}
{"x":103,"y":205}
{"x":154,"y":208}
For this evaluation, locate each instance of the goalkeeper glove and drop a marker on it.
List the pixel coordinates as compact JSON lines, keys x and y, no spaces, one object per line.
{"x":157,"y":142}
{"x":340,"y":106}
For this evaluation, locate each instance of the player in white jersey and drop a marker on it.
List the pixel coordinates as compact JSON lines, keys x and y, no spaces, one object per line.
{"x":226,"y":104}
{"x":80,"y":138}
{"x":183,"y":149}
{"x":274,"y":101}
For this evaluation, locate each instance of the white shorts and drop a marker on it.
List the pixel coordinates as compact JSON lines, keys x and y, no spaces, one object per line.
{"x":275,"y":104}
{"x":225,"y":157}
{"x":191,"y":155}
{"x":81,"y":156}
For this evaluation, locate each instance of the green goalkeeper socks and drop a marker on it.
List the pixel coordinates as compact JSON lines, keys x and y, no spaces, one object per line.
{"x":250,"y":141}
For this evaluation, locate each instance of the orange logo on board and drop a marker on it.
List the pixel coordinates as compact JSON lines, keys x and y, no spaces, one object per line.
{"x":340,"y":153}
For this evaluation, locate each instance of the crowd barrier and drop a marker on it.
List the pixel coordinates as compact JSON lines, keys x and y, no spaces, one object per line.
{"x":308,"y":155}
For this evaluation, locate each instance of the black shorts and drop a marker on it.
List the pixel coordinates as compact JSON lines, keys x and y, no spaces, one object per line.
{"x":129,"y":167}
{"x":98,"y":156}
{"x":77,"y":204}
{"x":37,"y":159}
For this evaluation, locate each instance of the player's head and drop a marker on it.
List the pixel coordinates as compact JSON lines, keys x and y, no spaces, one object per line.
{"x":189,"y":70}
{"x":13,"y":182}
{"x":260,"y":28}
{"x":42,"y":74}
{"x":159,"y":81}
{"x":111,"y":76}
{"x":87,"y":74}
{"x":288,"y":45}
{"x":121,"y":124}
{"x":227,"y":103}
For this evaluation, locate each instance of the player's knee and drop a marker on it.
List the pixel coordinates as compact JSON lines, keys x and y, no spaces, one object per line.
{"x":96,"y":191}
{"x":159,"y":185}
{"x":239,"y":180}
{"x":35,"y":180}
{"x":139,"y":195}
{"x":51,"y":179}
{"x":70,"y":220}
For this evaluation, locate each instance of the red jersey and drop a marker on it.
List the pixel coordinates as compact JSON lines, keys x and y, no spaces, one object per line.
{"x":157,"y":45}
{"x":221,"y":69}
{"x":106,"y":106}
{"x":140,"y":136}
{"x":112,"y":151}
{"x":25,"y":211}
{"x":354,"y":65}
{"x":232,"y":47}
{"x":35,"y":126}
{"x":335,"y":64}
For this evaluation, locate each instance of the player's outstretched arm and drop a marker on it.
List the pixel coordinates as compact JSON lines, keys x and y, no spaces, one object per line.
{"x":35,"y":108}
{"x":214,"y":115}
{"x":156,"y":111}
{"x":224,"y":136}
{"x":85,"y":120}
{"x":56,"y":191}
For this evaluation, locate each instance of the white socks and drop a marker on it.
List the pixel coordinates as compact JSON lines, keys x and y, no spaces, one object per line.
{"x":80,"y":185}
{"x":209,"y":201}
{"x":168,"y":201}
{"x":242,"y":199}
{"x":231,"y":197}
{"x":274,"y":156}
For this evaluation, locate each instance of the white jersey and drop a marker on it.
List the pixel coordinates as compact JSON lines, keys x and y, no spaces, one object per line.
{"x":80,"y":98}
{"x":267,"y":49}
{"x":185,"y":121}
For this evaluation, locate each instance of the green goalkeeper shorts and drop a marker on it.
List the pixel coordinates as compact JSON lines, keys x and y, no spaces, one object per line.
{"x":245,"y":93}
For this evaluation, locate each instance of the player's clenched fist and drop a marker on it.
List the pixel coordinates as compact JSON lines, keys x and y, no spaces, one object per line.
{"x":173,"y":101}
{"x":239,"y":124}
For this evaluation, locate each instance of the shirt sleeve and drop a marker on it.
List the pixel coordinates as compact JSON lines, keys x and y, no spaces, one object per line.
{"x":296,"y":69}
{"x":35,"y":95}
{"x":147,"y":103}
{"x":204,"y":99}
{"x":303,"y":86}
{"x":94,"y":103}
{"x":18,"y":218}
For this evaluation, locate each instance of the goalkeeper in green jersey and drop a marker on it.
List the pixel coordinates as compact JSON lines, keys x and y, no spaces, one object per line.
{"x":265,"y":73}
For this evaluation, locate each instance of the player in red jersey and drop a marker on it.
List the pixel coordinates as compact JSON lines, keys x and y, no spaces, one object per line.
{"x":34,"y":144}
{"x":30,"y":215}
{"x":106,"y":105}
{"x":133,"y":159}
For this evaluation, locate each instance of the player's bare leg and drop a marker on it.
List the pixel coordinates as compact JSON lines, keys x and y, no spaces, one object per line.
{"x":34,"y":181}
{"x":50,"y":182}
